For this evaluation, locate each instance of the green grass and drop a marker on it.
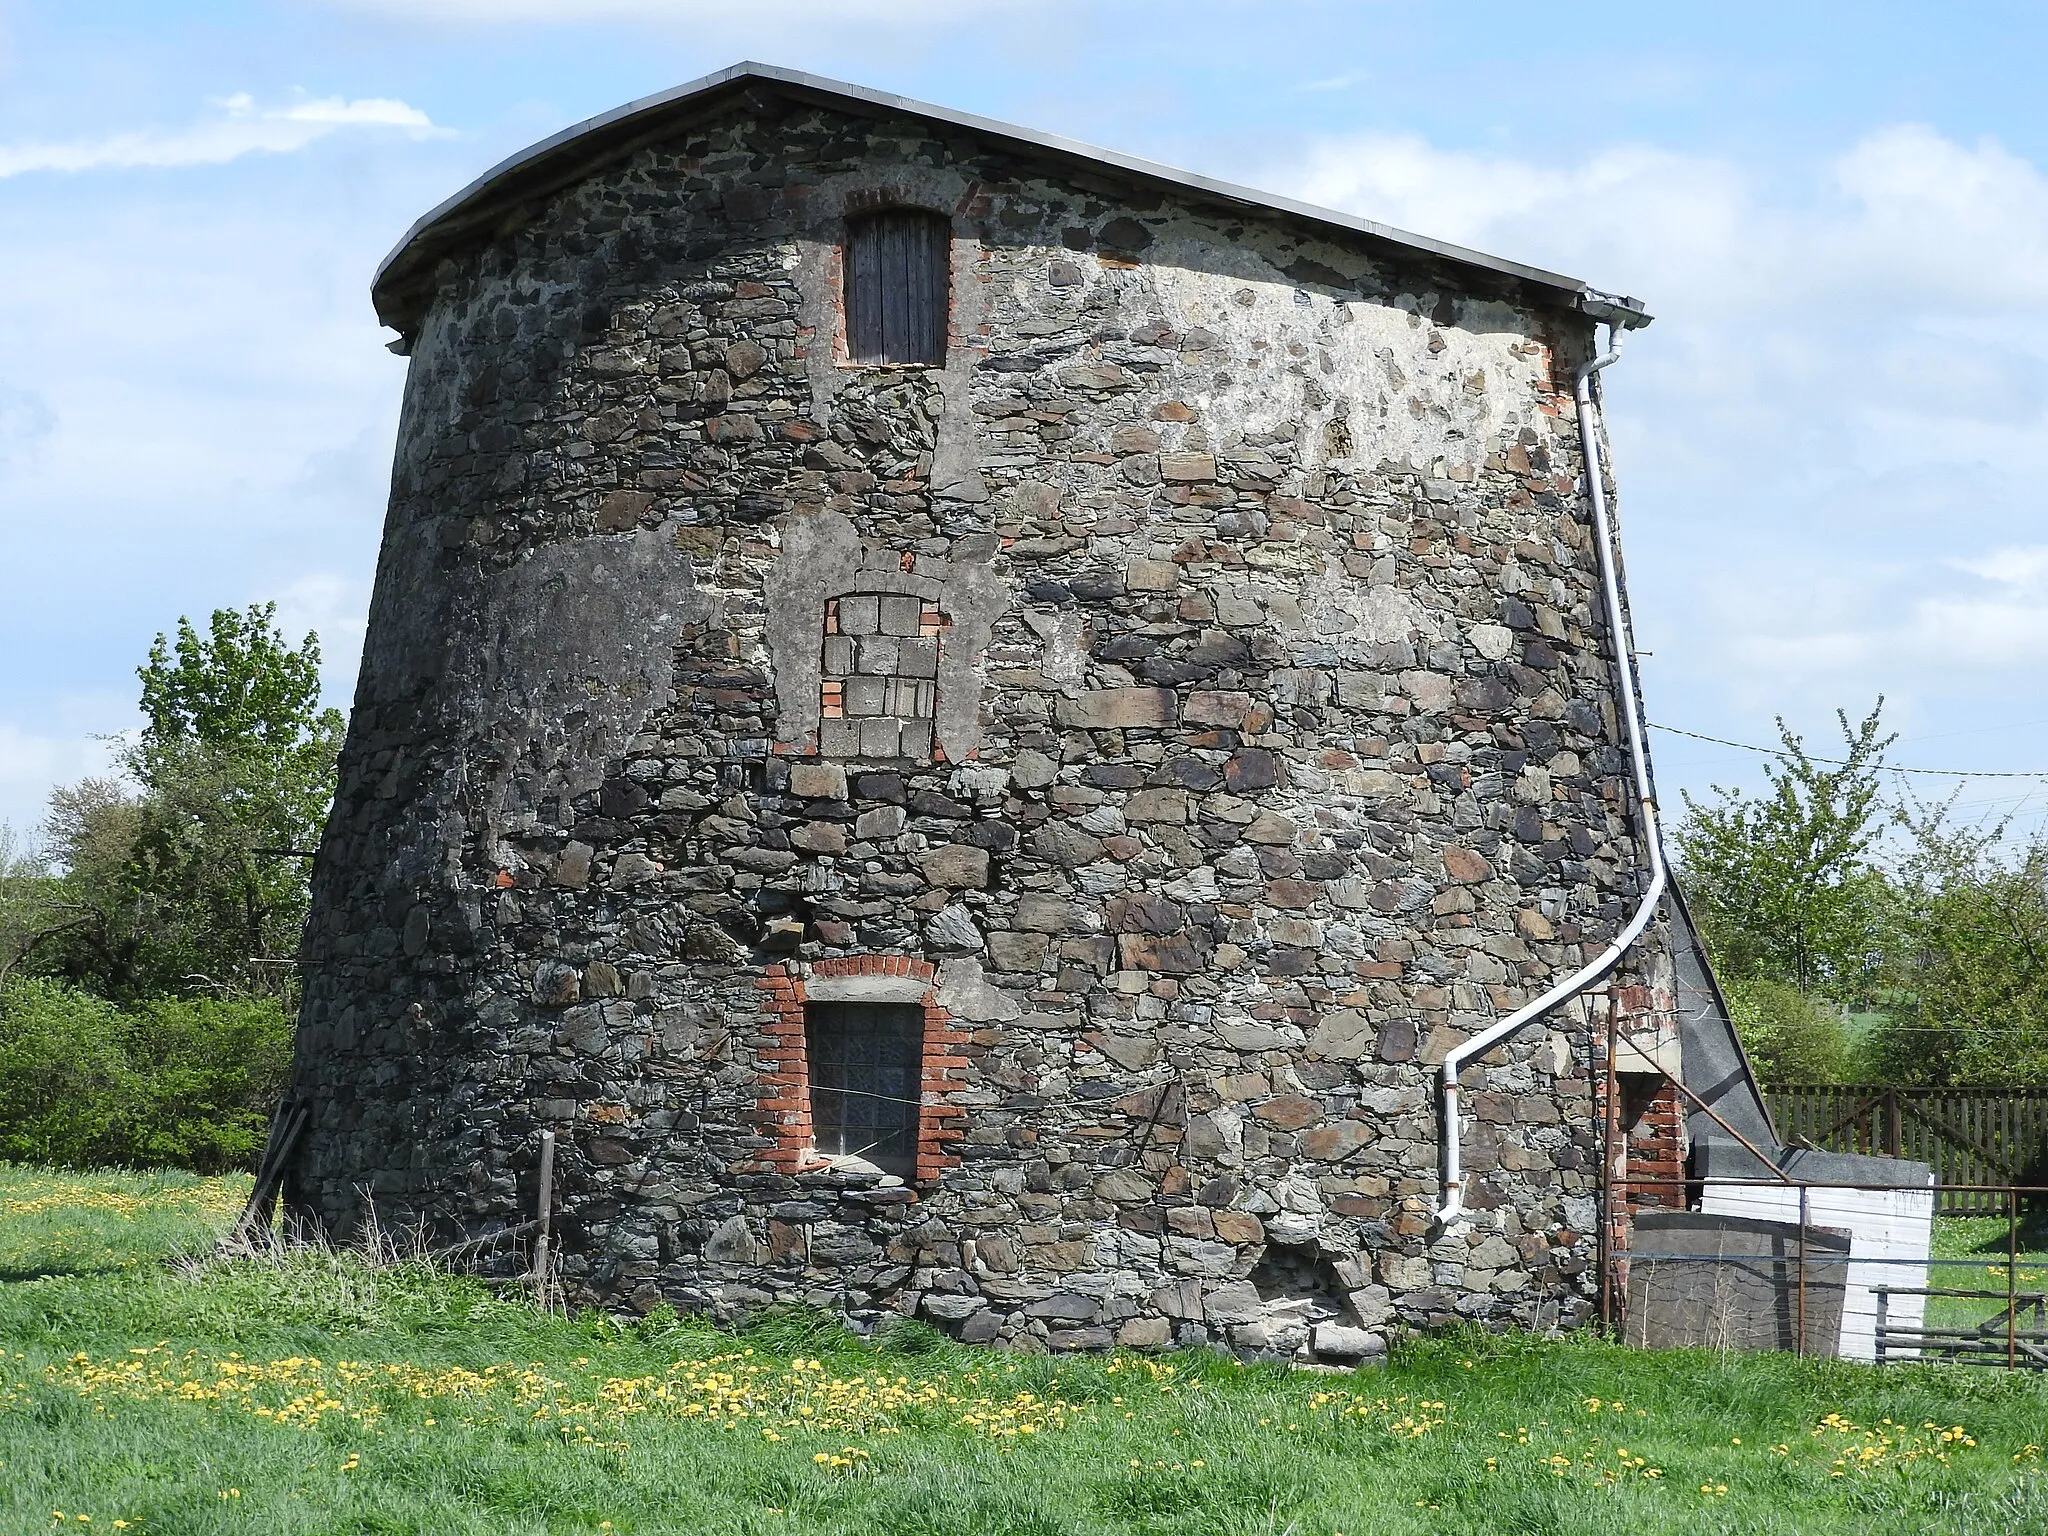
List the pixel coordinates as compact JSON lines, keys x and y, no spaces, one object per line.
{"x":1978,"y":1248}
{"x":76,"y":1224}
{"x":318,"y":1393}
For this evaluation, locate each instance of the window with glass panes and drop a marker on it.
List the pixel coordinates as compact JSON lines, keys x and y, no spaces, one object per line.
{"x":866,"y":1065}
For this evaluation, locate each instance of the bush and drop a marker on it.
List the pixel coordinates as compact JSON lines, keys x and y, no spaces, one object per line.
{"x":1790,"y":1037}
{"x":178,"y":1082}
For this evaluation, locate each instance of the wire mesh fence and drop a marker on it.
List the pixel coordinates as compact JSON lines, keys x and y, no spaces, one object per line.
{"x":1969,"y":1290}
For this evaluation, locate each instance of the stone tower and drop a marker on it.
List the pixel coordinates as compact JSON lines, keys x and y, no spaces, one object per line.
{"x":965,"y":720}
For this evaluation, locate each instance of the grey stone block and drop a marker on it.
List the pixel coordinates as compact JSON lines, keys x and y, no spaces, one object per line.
{"x":839,"y":738}
{"x":866,"y":695}
{"x":1239,"y":1302}
{"x":1067,"y":1305}
{"x":859,"y":615}
{"x":1335,"y":1341}
{"x":955,"y":864}
{"x":900,"y":615}
{"x":817,"y":781}
{"x":880,"y":738}
{"x":1118,"y":709}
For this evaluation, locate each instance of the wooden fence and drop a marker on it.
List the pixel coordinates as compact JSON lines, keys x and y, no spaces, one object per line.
{"x":1968,"y":1135}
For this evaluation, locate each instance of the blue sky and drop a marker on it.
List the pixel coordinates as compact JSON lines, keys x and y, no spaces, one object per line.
{"x":1829,"y":443}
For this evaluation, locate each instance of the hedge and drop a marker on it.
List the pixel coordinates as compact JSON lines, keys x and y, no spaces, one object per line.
{"x":173,"y":1082}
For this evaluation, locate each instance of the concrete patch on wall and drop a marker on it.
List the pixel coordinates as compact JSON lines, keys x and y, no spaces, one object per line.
{"x":573,"y":652}
{"x":1407,"y":387}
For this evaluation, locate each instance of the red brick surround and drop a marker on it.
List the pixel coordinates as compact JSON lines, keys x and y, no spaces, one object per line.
{"x":1656,"y":1147}
{"x":785,"y":1101}
{"x":1650,"y":1120}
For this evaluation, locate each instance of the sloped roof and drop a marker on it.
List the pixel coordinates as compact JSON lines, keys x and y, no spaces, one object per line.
{"x":576,"y":151}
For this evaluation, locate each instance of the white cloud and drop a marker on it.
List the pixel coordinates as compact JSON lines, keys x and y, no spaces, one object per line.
{"x":1829,"y":441}
{"x":1970,"y":222}
{"x":31,"y":764}
{"x":336,"y":608}
{"x":214,"y":410}
{"x":1947,"y":233}
{"x":240,"y":127}
{"x":25,"y":420}
{"x":2024,"y":567}
{"x":1883,"y":625}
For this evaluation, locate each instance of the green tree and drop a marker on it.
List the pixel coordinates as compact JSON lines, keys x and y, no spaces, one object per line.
{"x":1969,"y":966}
{"x":187,"y":1082}
{"x":195,"y":871}
{"x":1791,"y":1037}
{"x":242,"y":690}
{"x":1783,"y":883}
{"x":33,"y":908}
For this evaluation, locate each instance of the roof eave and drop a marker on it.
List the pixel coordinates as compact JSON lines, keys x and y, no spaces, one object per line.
{"x":570,"y":154}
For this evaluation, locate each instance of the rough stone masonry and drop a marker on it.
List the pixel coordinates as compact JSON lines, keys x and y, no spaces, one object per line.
{"x":1191,"y":694}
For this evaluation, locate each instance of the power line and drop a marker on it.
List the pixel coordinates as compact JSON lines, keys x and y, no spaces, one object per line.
{"x":1837,"y":762}
{"x":1976,"y":730}
{"x":1961,"y":1032}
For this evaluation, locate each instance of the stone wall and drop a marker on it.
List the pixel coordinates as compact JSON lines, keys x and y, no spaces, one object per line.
{"x":1263,"y":747}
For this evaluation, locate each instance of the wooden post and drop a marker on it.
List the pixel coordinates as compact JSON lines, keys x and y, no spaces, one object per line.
{"x":544,"y":1215}
{"x":1892,"y":1125}
{"x":254,"y":1223}
{"x":1802,"y":1270}
{"x":2012,"y":1276}
{"x":1884,"y":1307}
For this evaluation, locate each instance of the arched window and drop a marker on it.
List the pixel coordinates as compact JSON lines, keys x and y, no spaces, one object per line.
{"x":866,"y":1077}
{"x":897,"y":269}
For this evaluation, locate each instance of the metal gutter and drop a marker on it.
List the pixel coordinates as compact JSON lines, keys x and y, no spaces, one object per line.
{"x":567,"y":156}
{"x":1651,"y":839}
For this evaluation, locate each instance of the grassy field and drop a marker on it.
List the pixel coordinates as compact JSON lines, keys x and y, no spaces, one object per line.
{"x":321,"y":1394}
{"x":1971,"y":1254}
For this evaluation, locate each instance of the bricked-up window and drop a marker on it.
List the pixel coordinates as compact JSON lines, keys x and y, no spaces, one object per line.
{"x":878,"y":675}
{"x":866,"y":1068}
{"x":897,"y":271}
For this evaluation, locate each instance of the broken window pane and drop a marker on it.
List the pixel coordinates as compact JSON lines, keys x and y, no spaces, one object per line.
{"x":866,"y":1067}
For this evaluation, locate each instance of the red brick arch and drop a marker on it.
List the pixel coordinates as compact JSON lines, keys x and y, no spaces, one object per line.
{"x":784,"y":1105}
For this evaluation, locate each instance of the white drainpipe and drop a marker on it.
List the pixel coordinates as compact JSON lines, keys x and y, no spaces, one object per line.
{"x":1603,"y":538}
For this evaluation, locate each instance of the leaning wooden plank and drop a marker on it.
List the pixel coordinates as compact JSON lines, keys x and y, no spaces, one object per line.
{"x":255,"y":1217}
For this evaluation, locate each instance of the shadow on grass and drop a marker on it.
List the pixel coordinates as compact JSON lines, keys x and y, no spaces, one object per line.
{"x":2033,"y":1234}
{"x":12,"y":1272}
